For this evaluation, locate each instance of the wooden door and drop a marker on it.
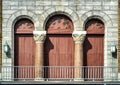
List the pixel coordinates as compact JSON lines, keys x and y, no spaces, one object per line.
{"x":59,"y":48}
{"x":94,"y":50}
{"x":24,"y":50}
{"x":59,"y":51}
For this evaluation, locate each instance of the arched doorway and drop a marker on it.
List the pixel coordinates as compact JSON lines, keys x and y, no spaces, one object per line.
{"x":24,"y":49}
{"x":93,"y":48}
{"x":59,"y":47}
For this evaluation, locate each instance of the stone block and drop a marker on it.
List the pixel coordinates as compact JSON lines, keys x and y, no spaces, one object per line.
{"x":110,"y":2}
{"x":22,"y":7}
{"x":111,"y":12}
{"x":106,"y":7}
{"x":51,"y":10}
{"x":46,"y":2}
{"x":39,"y":2}
{"x":38,"y":12}
{"x":5,"y":7}
{"x":39,"y":8}
{"x":89,"y":7}
{"x":8,"y":11}
{"x":72,"y":2}
{"x":97,"y":7}
{"x":30,"y":13}
{"x":6,"y":16}
{"x":114,"y":8}
{"x":30,"y":7}
{"x":75,"y":18}
{"x":14,"y":7}
{"x":29,"y":3}
{"x":46,"y":7}
{"x":59,"y":8}
{"x":68,"y":10}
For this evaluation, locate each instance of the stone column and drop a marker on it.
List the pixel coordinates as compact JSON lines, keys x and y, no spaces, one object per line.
{"x":78,"y":37}
{"x":39,"y":37}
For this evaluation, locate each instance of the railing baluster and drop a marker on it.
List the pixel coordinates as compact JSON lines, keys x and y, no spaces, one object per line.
{"x":62,"y":73}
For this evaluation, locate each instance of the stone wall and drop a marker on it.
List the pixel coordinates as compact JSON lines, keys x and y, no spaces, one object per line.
{"x":0,"y":33}
{"x":119,"y":37}
{"x":78,"y":10}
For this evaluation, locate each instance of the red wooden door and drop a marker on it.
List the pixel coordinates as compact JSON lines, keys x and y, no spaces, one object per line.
{"x":59,"y":48}
{"x":24,"y":49}
{"x":59,"y":51}
{"x":94,"y":50}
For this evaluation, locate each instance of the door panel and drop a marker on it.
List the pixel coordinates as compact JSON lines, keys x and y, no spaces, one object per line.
{"x":59,"y":51}
{"x":94,"y":56}
{"x":94,"y":50}
{"x":24,"y":56}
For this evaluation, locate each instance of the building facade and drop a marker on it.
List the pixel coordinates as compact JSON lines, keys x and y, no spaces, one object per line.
{"x":52,"y":33}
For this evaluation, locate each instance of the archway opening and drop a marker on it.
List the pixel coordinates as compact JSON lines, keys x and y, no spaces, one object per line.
{"x":59,"y":47}
{"x":24,"y":49}
{"x":93,"y":48}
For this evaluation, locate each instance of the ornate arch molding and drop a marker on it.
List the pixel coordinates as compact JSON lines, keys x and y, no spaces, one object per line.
{"x":96,"y":14}
{"x":56,"y":10}
{"x":19,"y":15}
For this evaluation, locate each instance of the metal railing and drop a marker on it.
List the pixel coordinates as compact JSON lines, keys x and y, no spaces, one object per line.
{"x":59,"y":73}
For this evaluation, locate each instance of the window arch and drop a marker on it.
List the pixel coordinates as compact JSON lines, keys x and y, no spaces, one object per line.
{"x":94,"y":26}
{"x":24,"y":25}
{"x":59,"y":24}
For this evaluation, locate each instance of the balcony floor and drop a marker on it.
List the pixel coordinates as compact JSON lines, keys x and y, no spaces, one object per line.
{"x":63,"y":82}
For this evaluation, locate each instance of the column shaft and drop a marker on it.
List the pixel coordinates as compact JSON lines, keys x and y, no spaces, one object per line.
{"x":39,"y":61}
{"x":78,"y":62}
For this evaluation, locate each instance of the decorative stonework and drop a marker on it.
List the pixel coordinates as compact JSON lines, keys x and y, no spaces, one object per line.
{"x":39,"y":36}
{"x":79,"y":36}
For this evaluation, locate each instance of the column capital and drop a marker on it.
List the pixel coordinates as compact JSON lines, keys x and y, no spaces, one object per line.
{"x":78,"y":36}
{"x":39,"y":36}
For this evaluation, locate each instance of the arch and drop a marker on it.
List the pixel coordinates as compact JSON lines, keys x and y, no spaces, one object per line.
{"x":59,"y":24}
{"x":13,"y":19}
{"x":98,"y":15}
{"x":19,"y":15}
{"x":55,"y":10}
{"x":93,"y":46}
{"x":24,"y":26}
{"x":94,"y":26}
{"x":59,"y":41}
{"x":24,"y":46}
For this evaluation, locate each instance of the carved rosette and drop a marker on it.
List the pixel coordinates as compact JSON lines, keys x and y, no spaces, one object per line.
{"x":79,"y":36}
{"x":39,"y":36}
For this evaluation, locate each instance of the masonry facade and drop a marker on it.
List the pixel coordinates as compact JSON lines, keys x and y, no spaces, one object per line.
{"x":80,"y":14}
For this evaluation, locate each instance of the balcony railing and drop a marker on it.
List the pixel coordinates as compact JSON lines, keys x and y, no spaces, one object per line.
{"x":59,"y":73}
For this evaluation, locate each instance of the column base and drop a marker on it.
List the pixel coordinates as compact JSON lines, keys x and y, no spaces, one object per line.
{"x":39,"y":79}
{"x":78,"y":79}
